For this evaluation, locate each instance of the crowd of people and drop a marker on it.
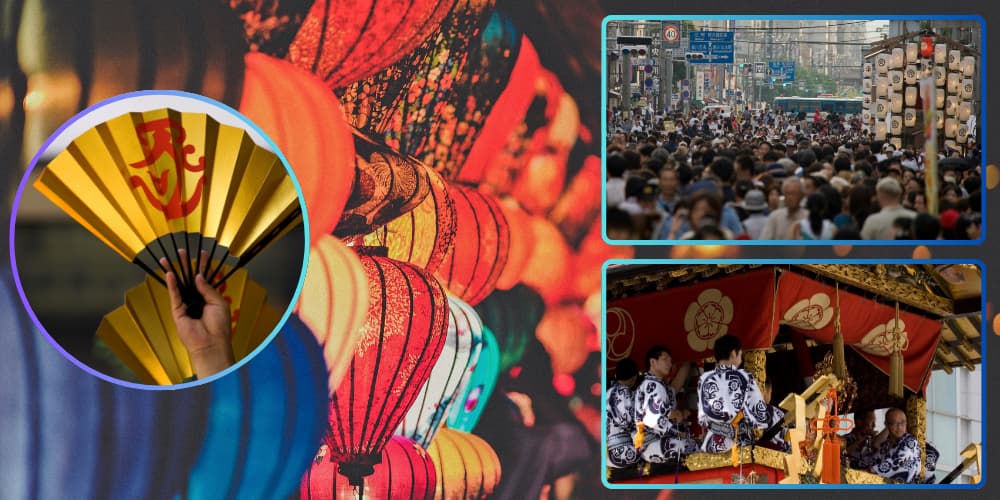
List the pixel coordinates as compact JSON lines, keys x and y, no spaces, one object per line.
{"x":771,"y":175}
{"x":649,"y":423}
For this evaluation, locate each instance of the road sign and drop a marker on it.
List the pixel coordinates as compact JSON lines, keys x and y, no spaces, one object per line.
{"x":760,"y":68}
{"x":671,"y":34}
{"x":648,"y":68}
{"x":717,"y":47}
{"x":782,"y":70}
{"x":649,"y":82}
{"x":686,"y":94}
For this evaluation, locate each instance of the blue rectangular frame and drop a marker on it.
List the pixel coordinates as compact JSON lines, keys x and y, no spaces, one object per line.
{"x":714,"y":17}
{"x":776,"y":486}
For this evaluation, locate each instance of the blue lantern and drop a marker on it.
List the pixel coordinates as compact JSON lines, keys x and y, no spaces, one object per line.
{"x":469,"y":405}
{"x":266,"y":421}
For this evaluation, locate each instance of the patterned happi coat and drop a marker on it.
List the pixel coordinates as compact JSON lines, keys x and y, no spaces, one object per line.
{"x":722,"y":394}
{"x":862,"y":457}
{"x":654,"y":400}
{"x":899,"y":462}
{"x":621,"y":426}
{"x":777,"y":415}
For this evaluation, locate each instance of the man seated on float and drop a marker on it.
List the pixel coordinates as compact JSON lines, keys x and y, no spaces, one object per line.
{"x":725,"y":393}
{"x":776,"y":416}
{"x":897,"y":452}
{"x":657,"y":436}
{"x":858,"y":443}
{"x":620,"y":418}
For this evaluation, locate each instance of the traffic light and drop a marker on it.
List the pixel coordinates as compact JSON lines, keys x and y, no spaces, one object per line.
{"x":694,"y":56}
{"x":634,"y":51}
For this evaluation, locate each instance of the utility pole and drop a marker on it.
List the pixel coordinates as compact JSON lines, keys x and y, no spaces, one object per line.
{"x":626,"y":81}
{"x":666,"y":77}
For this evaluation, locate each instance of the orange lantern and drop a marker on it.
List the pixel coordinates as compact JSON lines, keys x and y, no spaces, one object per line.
{"x":567,"y":334}
{"x":423,"y":236}
{"x":388,"y":185}
{"x":304,"y":119}
{"x":343,"y":42}
{"x":580,"y":204}
{"x":482,"y":242}
{"x":402,"y":338}
{"x":521,"y":244}
{"x":540,"y":182}
{"x":333,"y":303}
{"x":466,"y":466}
{"x":548,"y":269}
{"x":510,"y":109}
{"x":406,"y":472}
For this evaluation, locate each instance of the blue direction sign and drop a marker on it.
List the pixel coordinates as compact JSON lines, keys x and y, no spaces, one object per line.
{"x":782,"y":70}
{"x":717,"y":47}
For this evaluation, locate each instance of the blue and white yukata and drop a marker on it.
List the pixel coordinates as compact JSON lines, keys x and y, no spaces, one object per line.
{"x":862,"y":457}
{"x":899,"y":462}
{"x":722,"y":394}
{"x":621,"y":426}
{"x":663,"y":441}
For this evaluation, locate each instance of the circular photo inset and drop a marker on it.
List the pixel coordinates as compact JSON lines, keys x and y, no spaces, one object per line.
{"x":158,"y":239}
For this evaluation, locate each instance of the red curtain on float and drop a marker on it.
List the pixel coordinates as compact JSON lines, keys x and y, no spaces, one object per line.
{"x":688,"y":320}
{"x":808,"y":306}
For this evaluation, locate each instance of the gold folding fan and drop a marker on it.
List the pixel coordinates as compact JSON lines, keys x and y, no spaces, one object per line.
{"x":148,"y":184}
{"x":142,"y":332}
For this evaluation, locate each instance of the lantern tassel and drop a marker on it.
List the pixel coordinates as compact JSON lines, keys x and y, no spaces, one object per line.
{"x":640,"y":435}
{"x":839,"y":362}
{"x":896,"y":361}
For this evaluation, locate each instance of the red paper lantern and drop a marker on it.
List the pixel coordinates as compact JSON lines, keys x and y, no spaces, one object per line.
{"x":406,"y":472}
{"x":402,"y":339}
{"x":343,"y":42}
{"x":387,"y":186}
{"x":566,"y":332}
{"x":304,"y":119}
{"x":466,"y":466}
{"x":540,"y":182}
{"x":482,"y":242}
{"x":425,"y":235}
{"x":521,"y":244}
{"x":549,"y":267}
{"x":403,"y":103}
{"x":334,"y":303}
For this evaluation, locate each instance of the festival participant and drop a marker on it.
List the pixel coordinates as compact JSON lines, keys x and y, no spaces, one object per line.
{"x":727,"y":394}
{"x":897,"y":455}
{"x":657,"y":435}
{"x":620,"y":424}
{"x":858,"y":443}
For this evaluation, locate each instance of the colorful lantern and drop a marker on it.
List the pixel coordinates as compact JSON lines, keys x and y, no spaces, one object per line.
{"x":897,"y":59}
{"x":468,"y":407}
{"x":482,"y":242}
{"x":275,"y":402}
{"x":912,"y":52}
{"x":405,"y":472}
{"x":940,"y":54}
{"x":425,"y":235}
{"x":540,"y":182}
{"x":387,"y":186}
{"x":910,"y":96}
{"x":512,"y":316}
{"x":333,"y":303}
{"x":465,"y":464}
{"x":549,"y":267}
{"x":968,"y":66}
{"x":521,"y":244}
{"x":304,"y":119}
{"x":461,"y":351}
{"x":402,"y":338}
{"x":568,"y":336}
{"x":68,"y":69}
{"x":343,"y":42}
{"x":144,"y":441}
{"x":399,"y":104}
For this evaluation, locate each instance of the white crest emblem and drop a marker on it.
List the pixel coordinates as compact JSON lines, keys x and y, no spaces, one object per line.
{"x":813,"y":313}
{"x":708,"y":319}
{"x":884,"y":339}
